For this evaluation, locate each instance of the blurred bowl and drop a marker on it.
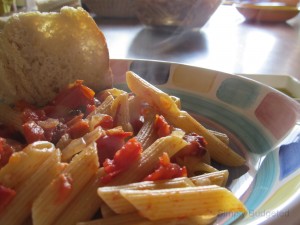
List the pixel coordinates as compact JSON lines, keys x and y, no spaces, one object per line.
{"x":267,"y":12}
{"x":185,"y":14}
{"x":111,"y":8}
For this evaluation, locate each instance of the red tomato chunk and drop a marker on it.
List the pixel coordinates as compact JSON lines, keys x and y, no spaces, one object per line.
{"x":166,"y":170}
{"x":196,"y":146}
{"x":33,"y":132}
{"x":110,"y":143}
{"x":123,"y":158}
{"x":6,"y":196}
{"x":161,"y":126}
{"x":64,"y":183}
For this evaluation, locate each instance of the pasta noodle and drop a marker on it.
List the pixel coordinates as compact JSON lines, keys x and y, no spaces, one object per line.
{"x":77,"y":145}
{"x":112,"y":197}
{"x":146,"y":135}
{"x":120,"y":111}
{"x":23,"y":164}
{"x":84,"y":205}
{"x":214,"y":178}
{"x":106,"y":211}
{"x":183,"y":202}
{"x":50,"y":204}
{"x":104,"y":108}
{"x":46,"y":170}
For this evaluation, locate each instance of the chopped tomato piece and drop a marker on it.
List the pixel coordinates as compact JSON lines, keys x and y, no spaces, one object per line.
{"x":7,"y":148}
{"x":56,"y":111}
{"x":110,"y":143}
{"x":162,"y":127}
{"x":5,"y":152}
{"x":75,"y":95}
{"x":196,"y":146}
{"x":74,"y":120}
{"x":106,"y":122}
{"x":79,"y":129}
{"x":6,"y":196}
{"x":53,"y":134}
{"x":166,"y":170}
{"x":123,"y":158}
{"x":89,"y":108}
{"x":33,"y":132}
{"x":64,"y":183}
{"x":33,"y":115}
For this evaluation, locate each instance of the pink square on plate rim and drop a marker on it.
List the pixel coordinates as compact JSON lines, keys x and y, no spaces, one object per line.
{"x":277,"y":113}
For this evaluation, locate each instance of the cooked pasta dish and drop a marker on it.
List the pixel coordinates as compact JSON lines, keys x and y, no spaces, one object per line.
{"x":112,"y":157}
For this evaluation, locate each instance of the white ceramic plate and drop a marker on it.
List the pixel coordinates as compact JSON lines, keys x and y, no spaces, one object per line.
{"x":262,"y":123}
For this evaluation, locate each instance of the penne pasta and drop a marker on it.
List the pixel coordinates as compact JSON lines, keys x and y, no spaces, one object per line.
{"x":85,"y":205}
{"x":24,"y":198}
{"x":195,"y":166}
{"x":219,"y":151}
{"x":23,"y":164}
{"x":106,"y":211}
{"x":58,"y":195}
{"x":120,"y":112}
{"x":177,"y":101}
{"x":135,"y":109}
{"x":112,"y":197}
{"x":104,"y":108}
{"x":77,"y":145}
{"x":183,"y":202}
{"x":114,"y":92}
{"x":154,"y":96}
{"x":95,"y":120}
{"x":214,"y":178}
{"x":146,"y":135}
{"x":74,"y":147}
{"x":221,"y":136}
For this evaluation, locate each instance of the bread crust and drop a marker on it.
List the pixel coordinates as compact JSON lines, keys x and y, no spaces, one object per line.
{"x":41,"y":53}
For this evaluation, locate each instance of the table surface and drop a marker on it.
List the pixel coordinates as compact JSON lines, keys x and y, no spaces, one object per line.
{"x":226,"y":43}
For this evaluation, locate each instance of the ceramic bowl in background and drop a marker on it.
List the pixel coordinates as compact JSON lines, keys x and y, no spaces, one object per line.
{"x":273,"y":12}
{"x":111,"y":8}
{"x":175,"y":13}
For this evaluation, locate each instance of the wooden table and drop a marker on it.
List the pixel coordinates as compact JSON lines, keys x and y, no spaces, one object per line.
{"x":226,"y":43}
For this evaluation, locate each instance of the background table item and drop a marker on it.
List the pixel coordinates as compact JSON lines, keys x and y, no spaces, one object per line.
{"x":227,"y":43}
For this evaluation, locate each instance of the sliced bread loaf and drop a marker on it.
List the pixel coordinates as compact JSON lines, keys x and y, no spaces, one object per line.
{"x":40,"y":53}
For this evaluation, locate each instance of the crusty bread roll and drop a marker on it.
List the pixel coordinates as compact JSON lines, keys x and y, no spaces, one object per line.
{"x":40,"y":53}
